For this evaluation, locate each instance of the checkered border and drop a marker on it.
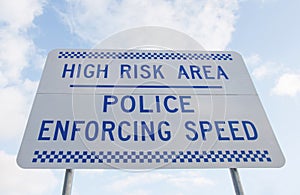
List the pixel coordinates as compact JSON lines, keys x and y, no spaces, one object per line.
{"x":145,"y":55}
{"x":150,"y":156}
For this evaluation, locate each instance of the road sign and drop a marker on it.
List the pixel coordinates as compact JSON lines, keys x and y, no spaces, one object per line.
{"x":144,"y":109}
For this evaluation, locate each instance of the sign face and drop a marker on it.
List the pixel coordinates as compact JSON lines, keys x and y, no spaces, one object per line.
{"x":145,"y":109}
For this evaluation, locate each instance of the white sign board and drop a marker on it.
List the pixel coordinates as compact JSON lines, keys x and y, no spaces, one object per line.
{"x":144,"y":109}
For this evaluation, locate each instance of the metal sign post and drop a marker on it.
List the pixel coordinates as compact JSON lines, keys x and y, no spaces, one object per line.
{"x":67,"y":188}
{"x":236,"y":181}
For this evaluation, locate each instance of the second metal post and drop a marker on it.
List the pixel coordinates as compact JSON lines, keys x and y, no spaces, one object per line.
{"x":67,"y":188}
{"x":236,"y":181}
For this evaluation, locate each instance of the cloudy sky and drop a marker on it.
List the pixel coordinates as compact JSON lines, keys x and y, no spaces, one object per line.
{"x":265,"y":32}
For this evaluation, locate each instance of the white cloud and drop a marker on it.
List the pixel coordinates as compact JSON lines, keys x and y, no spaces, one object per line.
{"x":267,"y":69}
{"x":260,"y":72}
{"x":15,"y":180}
{"x":189,"y":178}
{"x":252,"y":60}
{"x":288,"y":84}
{"x":261,"y":69}
{"x":210,"y":22}
{"x":17,"y":52}
{"x":15,"y":103}
{"x":181,"y":179}
{"x":18,"y":15}
{"x":12,"y":115}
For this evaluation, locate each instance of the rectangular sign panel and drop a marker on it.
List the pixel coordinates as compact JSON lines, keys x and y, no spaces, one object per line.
{"x":144,"y":109}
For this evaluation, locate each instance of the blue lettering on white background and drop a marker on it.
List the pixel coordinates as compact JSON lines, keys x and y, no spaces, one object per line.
{"x":85,"y":71}
{"x":219,"y":128}
{"x":129,"y":104}
{"x":144,"y":71}
{"x":43,"y":129}
{"x":222,"y":130}
{"x":202,"y":72}
{"x":93,"y":132}
{"x":107,"y":130}
{"x":104,"y":130}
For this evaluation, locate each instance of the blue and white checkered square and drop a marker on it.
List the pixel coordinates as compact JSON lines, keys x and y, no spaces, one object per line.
{"x":145,"y":55}
{"x":150,"y":156}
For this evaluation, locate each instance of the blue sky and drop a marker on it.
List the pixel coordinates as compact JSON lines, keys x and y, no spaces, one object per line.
{"x":265,"y":32}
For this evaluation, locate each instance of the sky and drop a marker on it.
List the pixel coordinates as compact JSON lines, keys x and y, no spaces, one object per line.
{"x":264,"y":32}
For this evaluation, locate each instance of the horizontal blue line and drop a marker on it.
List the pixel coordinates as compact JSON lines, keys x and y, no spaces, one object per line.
{"x":149,"y":86}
